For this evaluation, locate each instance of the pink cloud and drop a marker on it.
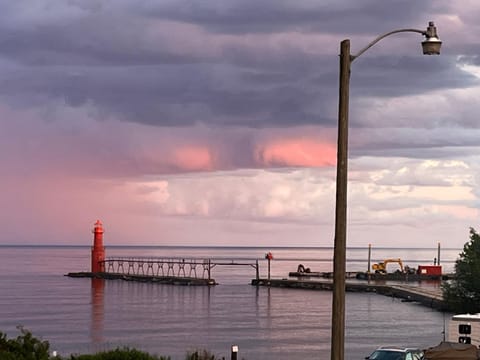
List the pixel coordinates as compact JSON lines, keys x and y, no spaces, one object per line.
{"x":296,"y":152}
{"x":193,"y":158}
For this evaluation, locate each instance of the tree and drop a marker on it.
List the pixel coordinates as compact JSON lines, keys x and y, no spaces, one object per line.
{"x":462,"y":294}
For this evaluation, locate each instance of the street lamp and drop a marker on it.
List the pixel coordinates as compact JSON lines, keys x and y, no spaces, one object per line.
{"x":431,"y":46}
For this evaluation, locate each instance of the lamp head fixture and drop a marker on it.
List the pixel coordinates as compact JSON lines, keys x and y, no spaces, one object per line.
{"x":431,"y":45}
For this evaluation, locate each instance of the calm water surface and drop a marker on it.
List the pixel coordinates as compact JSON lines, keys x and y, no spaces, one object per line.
{"x":82,"y":316}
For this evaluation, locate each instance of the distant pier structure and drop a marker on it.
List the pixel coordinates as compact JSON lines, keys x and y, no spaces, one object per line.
{"x":177,"y":271}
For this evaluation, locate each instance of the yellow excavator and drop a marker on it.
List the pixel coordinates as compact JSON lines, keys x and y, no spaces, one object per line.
{"x":381,"y":267}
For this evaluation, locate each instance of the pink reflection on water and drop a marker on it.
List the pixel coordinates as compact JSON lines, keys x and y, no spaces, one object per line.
{"x":97,"y":328}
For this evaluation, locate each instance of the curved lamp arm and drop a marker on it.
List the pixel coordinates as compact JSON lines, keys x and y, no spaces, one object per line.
{"x":431,"y":45}
{"x":353,"y":57}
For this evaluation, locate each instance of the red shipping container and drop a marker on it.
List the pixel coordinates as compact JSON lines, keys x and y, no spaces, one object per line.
{"x":429,"y":270}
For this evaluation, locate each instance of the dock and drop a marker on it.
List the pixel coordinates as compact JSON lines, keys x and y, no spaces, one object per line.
{"x":429,"y":297}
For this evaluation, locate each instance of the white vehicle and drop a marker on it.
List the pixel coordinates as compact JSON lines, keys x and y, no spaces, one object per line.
{"x":395,"y":353}
{"x":465,"y":329}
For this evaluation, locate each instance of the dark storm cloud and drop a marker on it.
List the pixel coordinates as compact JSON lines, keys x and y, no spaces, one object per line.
{"x":174,"y":94}
{"x":129,"y":59}
{"x":437,"y":143}
{"x":384,"y":76}
{"x":95,"y":40}
{"x":251,"y":16}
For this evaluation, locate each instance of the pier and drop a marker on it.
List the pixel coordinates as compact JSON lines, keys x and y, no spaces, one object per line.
{"x":172,"y":270}
{"x":171,"y":280}
{"x":429,"y":297}
{"x":176,"y":271}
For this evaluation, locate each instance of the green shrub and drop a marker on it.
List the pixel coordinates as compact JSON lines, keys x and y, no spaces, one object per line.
{"x":119,"y":354}
{"x":201,"y":355}
{"x":23,"y":347}
{"x":27,"y":347}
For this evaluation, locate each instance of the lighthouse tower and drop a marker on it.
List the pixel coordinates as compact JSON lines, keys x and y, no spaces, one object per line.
{"x":98,"y":250}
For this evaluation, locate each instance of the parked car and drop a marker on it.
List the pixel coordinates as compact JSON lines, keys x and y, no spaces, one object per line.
{"x":396,"y":353}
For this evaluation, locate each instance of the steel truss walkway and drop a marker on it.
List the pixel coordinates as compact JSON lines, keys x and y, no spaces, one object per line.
{"x":172,"y":267}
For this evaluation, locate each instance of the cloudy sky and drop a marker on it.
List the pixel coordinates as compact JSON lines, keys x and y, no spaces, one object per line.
{"x":183,"y":122}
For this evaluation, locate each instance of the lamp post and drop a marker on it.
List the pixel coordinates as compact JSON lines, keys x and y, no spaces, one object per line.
{"x":431,"y":46}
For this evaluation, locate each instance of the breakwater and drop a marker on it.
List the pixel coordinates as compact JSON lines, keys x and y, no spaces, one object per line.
{"x":432,"y":298}
{"x":172,"y":280}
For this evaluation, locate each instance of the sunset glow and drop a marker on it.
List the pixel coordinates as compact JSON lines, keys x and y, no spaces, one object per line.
{"x":296,"y":152}
{"x":193,"y":158}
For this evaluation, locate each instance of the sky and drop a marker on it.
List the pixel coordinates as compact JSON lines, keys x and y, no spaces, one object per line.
{"x":182,"y":122}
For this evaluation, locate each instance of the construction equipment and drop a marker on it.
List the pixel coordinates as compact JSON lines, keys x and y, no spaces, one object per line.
{"x":381,"y":267}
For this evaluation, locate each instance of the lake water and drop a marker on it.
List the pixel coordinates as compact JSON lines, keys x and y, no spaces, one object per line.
{"x":83,"y":316}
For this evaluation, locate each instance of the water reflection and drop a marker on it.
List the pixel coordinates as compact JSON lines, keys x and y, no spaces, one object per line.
{"x":97,"y":300}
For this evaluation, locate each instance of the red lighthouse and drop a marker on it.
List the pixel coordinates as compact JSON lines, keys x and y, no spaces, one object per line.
{"x":98,"y":250}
